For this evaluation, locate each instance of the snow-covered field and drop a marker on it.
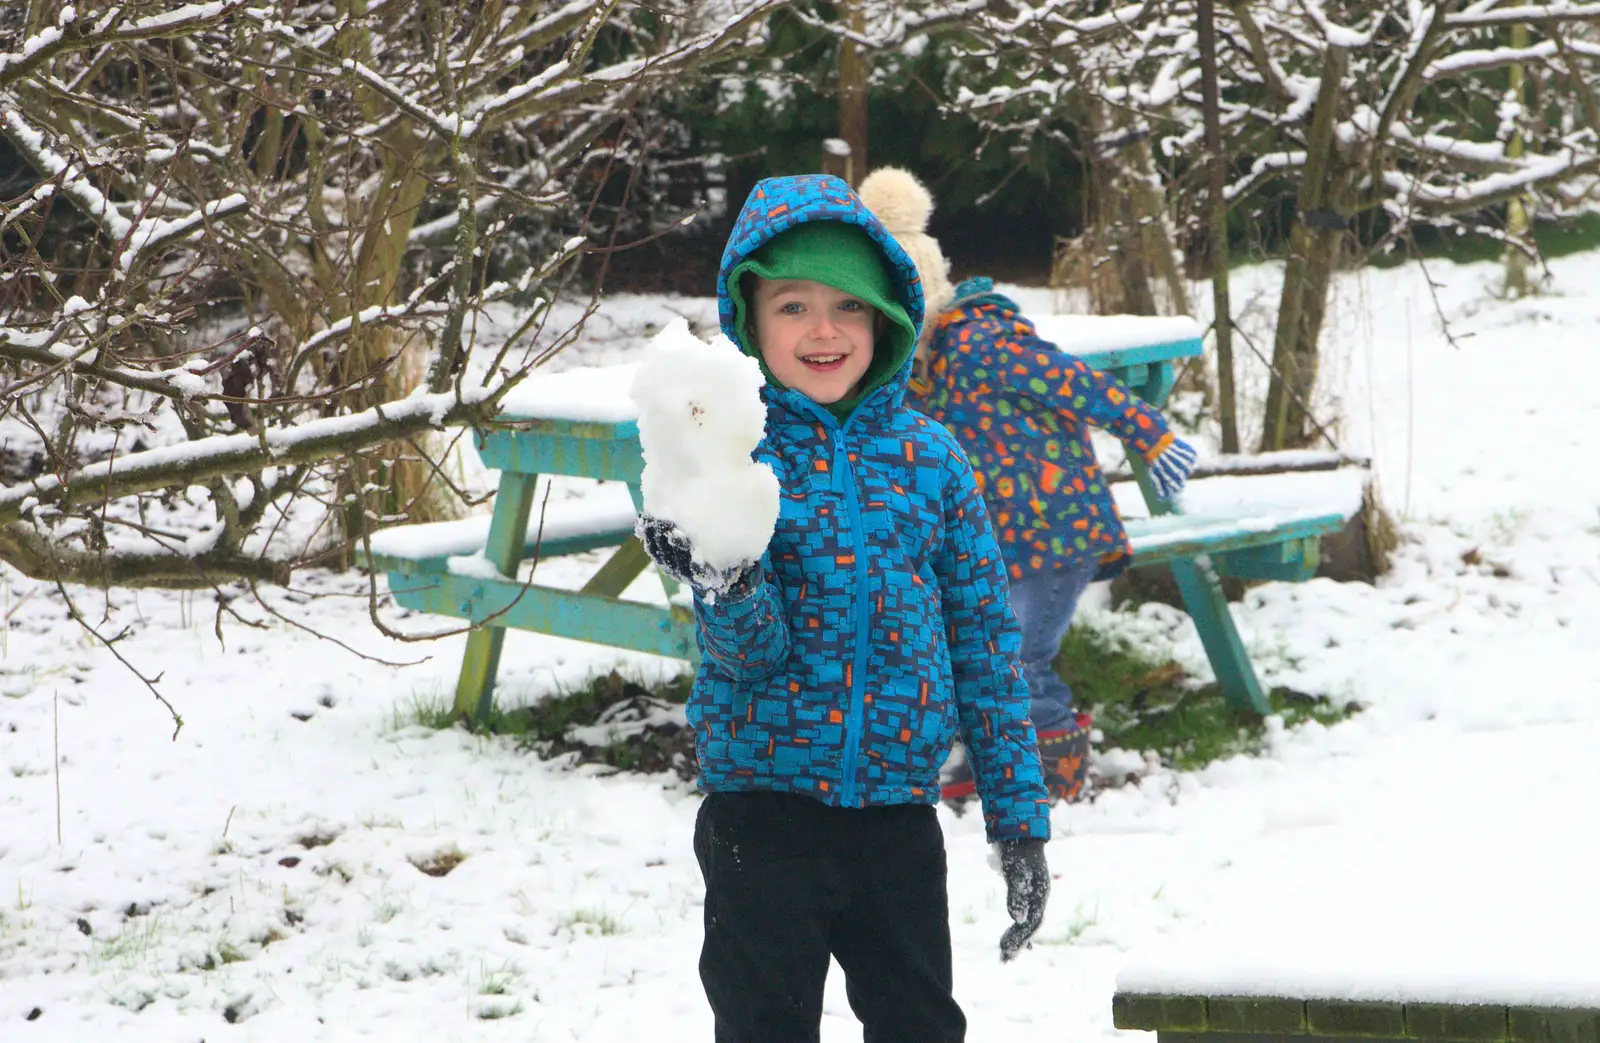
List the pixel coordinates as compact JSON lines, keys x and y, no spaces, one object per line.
{"x":263,"y":876}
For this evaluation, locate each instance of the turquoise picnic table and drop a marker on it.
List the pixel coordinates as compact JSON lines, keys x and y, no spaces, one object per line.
{"x":581,"y":423}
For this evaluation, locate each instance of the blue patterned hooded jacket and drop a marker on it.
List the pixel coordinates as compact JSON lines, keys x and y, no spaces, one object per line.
{"x":881,"y":625}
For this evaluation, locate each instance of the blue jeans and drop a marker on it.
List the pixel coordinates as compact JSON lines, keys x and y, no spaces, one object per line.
{"x":1044,"y":603}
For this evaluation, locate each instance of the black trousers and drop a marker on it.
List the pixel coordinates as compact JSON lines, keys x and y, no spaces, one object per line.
{"x":791,"y":881}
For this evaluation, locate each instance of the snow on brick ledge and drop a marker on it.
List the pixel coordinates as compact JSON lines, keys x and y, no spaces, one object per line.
{"x":1199,"y":1019}
{"x":1432,"y":899}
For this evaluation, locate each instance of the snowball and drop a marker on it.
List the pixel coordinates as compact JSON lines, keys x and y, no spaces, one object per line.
{"x":727,"y":516}
{"x":700,"y":418}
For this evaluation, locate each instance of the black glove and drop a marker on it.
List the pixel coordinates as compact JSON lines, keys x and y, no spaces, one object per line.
{"x":670,"y":549}
{"x":1027,"y":874}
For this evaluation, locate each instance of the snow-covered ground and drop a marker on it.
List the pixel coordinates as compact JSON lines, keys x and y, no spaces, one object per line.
{"x":258,"y":878}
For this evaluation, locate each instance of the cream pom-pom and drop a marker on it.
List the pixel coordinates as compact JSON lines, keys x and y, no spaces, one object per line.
{"x":898,"y":199}
{"x":901,"y":202}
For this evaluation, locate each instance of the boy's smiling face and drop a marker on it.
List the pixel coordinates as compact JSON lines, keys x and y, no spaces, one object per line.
{"x":813,"y":338}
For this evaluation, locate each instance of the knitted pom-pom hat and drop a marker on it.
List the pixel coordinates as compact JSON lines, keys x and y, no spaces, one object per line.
{"x":901,"y":202}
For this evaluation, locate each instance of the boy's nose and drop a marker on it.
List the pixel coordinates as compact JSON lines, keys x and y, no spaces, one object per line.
{"x":823,"y":328}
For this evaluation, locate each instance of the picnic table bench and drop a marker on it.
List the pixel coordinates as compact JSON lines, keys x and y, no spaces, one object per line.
{"x":582,"y":423}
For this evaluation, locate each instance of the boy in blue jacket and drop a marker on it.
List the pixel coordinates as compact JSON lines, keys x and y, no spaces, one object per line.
{"x":836,"y":670}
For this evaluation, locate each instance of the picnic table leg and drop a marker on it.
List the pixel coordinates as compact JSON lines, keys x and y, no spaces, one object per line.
{"x":1208,"y":607}
{"x":508,"y":530}
{"x":621,"y":569}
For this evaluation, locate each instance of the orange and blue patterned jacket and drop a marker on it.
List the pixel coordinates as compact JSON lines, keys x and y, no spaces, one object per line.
{"x":882,"y":624}
{"x":1021,"y":408}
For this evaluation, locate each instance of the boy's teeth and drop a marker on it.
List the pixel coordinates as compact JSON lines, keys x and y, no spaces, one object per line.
{"x":824,"y":359}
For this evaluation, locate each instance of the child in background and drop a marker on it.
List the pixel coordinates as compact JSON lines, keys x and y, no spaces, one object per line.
{"x":836,"y":670}
{"x":1021,"y":408}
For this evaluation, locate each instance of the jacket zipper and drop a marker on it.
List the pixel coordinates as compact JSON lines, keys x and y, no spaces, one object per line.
{"x":852,"y":739}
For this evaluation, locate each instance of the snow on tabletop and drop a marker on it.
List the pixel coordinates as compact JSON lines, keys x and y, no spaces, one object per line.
{"x":596,"y":395}
{"x":605,"y":508}
{"x":1089,"y":334}
{"x":700,"y":418}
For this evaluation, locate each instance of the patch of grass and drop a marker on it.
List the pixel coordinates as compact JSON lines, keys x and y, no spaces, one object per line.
{"x":1140,"y":703}
{"x":388,"y":906}
{"x":497,"y":983}
{"x":550,"y":719}
{"x":131,"y":944}
{"x":494,"y":1010}
{"x":427,"y":709}
{"x":1081,"y":921}
{"x":436,"y":710}
{"x":439,"y":863}
{"x":319,"y":837}
{"x":593,"y":921}
{"x":339,"y":869}
{"x":226,"y":953}
{"x":544,"y":726}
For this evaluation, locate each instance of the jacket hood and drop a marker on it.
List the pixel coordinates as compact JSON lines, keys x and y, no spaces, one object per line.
{"x":778,"y":204}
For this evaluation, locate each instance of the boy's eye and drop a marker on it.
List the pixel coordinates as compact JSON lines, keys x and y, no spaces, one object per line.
{"x":851,"y":305}
{"x":791,"y":308}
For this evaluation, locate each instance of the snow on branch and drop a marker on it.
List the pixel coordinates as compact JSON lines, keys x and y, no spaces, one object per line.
{"x":1336,"y":35}
{"x":154,"y":234}
{"x":68,"y":34}
{"x":1528,"y":14}
{"x":1490,"y":58}
{"x":444,"y":126}
{"x":895,"y":25}
{"x":376,"y":315}
{"x":1078,"y":31}
{"x":220,"y":456}
{"x":491,"y":110}
{"x":1441,"y":200}
{"x":55,"y":348}
{"x":561,"y":83}
{"x":139,"y":235}
{"x":34,"y":553}
{"x":29,"y":141}
{"x":1479,"y":155}
{"x":180,"y":20}
{"x":1262,"y":168}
